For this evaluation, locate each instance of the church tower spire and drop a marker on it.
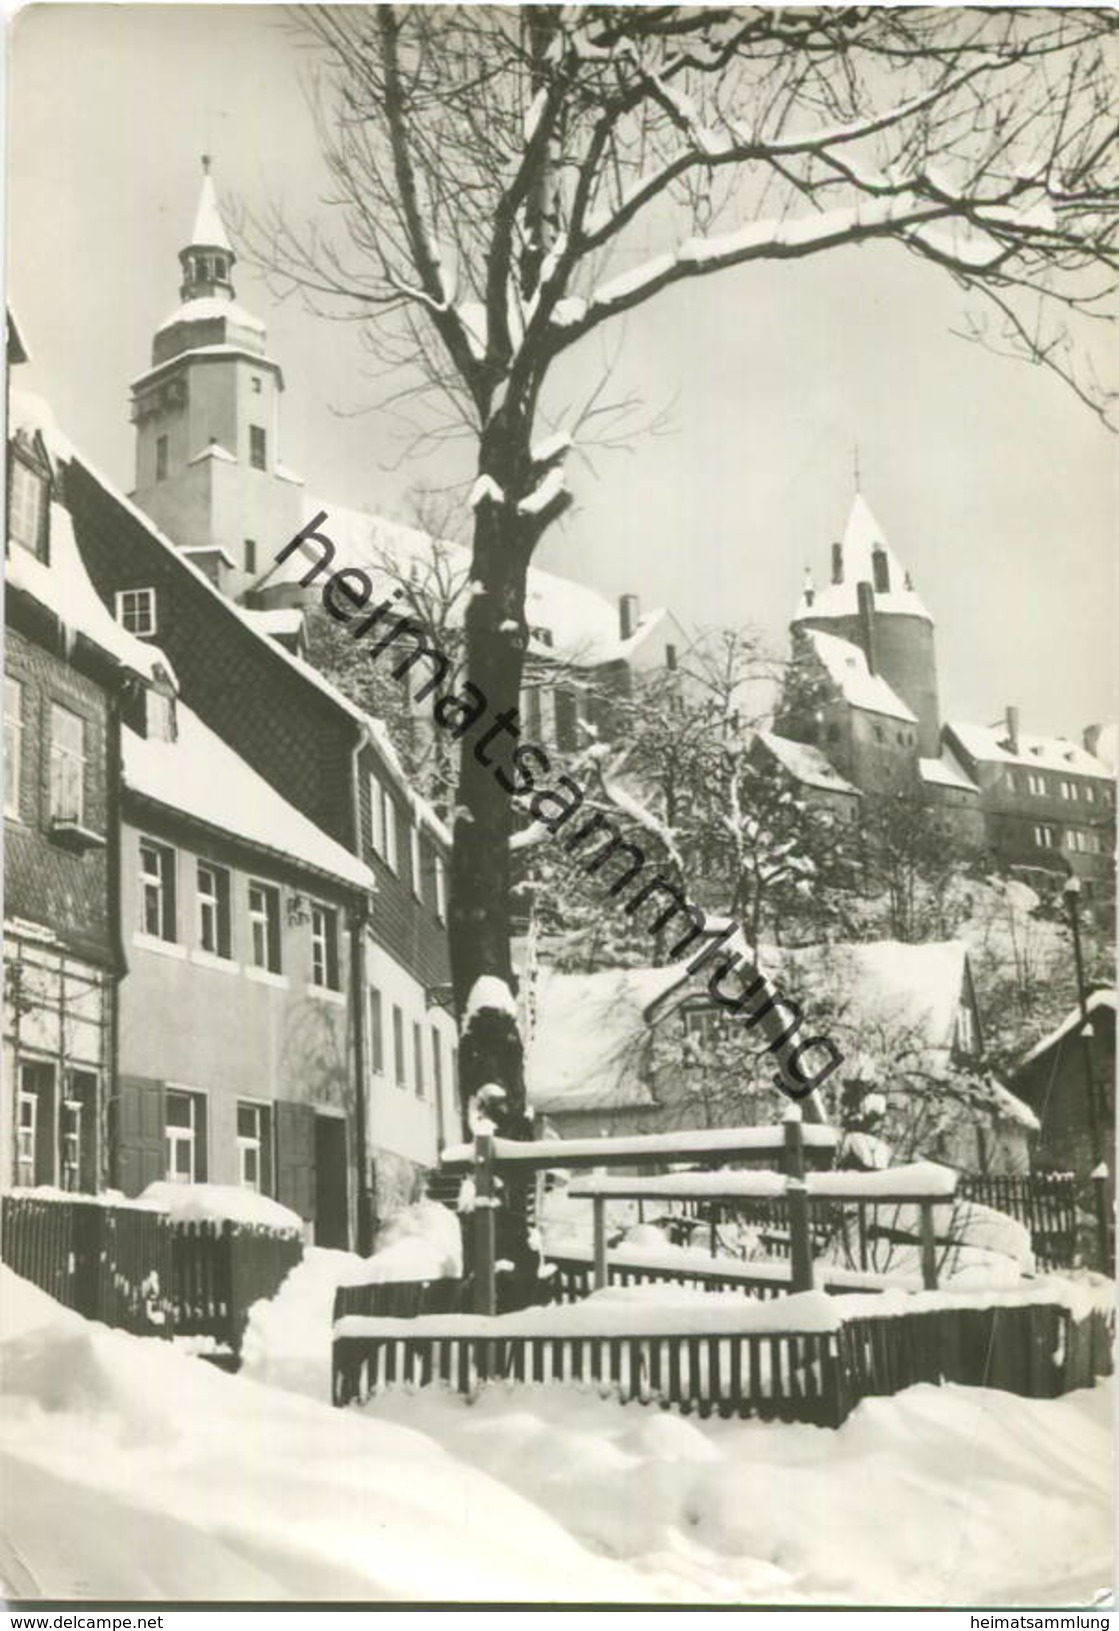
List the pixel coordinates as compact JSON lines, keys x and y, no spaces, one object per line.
{"x":207,"y":417}
{"x":207,"y":260}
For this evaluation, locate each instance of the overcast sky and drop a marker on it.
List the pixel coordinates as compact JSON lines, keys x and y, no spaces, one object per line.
{"x":993,"y":484}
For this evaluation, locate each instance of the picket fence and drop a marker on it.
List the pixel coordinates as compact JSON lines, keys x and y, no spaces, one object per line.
{"x":134,"y":1268}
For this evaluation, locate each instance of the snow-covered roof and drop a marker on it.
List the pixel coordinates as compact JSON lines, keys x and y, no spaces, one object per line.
{"x":862,"y":538}
{"x":201,"y":776}
{"x":947,"y":771}
{"x":1104,"y":998}
{"x":209,"y":228}
{"x":883,"y":984}
{"x":207,"y":308}
{"x":988,"y":743}
{"x":846,"y":665}
{"x":586,"y":1051}
{"x":278,"y":621}
{"x":581,"y":624}
{"x":806,"y":763}
{"x":62,"y":585}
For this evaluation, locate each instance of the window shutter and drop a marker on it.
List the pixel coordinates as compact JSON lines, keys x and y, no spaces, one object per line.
{"x":141,"y":1157}
{"x":295,"y":1157}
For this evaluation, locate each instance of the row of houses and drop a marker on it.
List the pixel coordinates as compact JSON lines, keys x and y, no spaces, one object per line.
{"x":225,"y":942}
{"x":226,"y":951}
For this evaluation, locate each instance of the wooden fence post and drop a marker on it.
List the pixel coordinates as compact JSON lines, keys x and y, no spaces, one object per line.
{"x":796,"y":1195}
{"x":485,"y":1299}
{"x":601,"y":1273}
{"x":928,"y":1246}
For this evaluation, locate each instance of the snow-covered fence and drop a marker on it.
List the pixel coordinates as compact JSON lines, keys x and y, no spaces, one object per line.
{"x":220,"y":1268}
{"x":573,"y":1274}
{"x":109,"y":1263}
{"x":487,"y":1157}
{"x":801,"y":1359}
{"x":1045,"y":1202}
{"x":136,"y":1267}
{"x":401,"y":1299}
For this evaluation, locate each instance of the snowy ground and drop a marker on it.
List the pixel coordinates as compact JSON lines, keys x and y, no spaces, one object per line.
{"x":128,"y":1469}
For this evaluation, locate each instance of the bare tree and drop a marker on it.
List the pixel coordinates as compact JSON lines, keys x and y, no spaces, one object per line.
{"x":498,"y":169}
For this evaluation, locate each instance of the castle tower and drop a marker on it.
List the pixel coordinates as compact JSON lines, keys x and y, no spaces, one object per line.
{"x":886,"y":619}
{"x":207,"y":417}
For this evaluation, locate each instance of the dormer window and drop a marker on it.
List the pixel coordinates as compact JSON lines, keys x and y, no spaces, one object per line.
{"x":28,"y":505}
{"x":136,"y":611}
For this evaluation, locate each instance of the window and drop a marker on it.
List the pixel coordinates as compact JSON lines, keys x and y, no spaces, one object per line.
{"x":185,"y":1137}
{"x":879,"y":734}
{"x":26,"y":1136}
{"x":257,"y":385}
{"x":1035,"y":782}
{"x":437,"y":1068}
{"x":456,"y":1085}
{"x":324,"y":947}
{"x":159,"y":716}
{"x":157,"y":889}
{"x":415,"y":859}
{"x":258,"y":447}
{"x":264,"y":926}
{"x":382,"y":818}
{"x":67,"y":765}
{"x":1089,"y":792}
{"x":214,"y":931}
{"x":440,"y":889}
{"x":400,"y":1066}
{"x":70,"y":1141}
{"x":376,"y":1032}
{"x":136,"y":610}
{"x":161,"y":458}
{"x":250,"y":554}
{"x":965,"y":1029}
{"x":254,"y":1147}
{"x":13,"y":744}
{"x":418,"y":1054}
{"x":27,"y":506}
{"x":1045,"y":837}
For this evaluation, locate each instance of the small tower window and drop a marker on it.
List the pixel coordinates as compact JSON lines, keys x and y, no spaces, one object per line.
{"x":250,"y":554}
{"x":257,"y":385}
{"x":881,"y":567}
{"x":258,"y":447}
{"x":837,"y":563}
{"x":161,"y":458}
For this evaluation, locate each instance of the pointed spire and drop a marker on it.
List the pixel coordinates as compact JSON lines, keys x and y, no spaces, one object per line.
{"x":209,"y":228}
{"x":208,"y":259}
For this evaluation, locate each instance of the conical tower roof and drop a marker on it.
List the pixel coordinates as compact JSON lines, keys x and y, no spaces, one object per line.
{"x":209,"y":228}
{"x":864,"y":556}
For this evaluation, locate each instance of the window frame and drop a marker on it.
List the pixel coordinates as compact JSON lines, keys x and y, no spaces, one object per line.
{"x":325,"y":957}
{"x":415,"y":859}
{"x":220,"y":904}
{"x":258,"y":1142}
{"x":163,"y":880}
{"x":1045,"y":835}
{"x":383,"y":836}
{"x":129,"y":602}
{"x":420,"y":1079}
{"x":66,"y":764}
{"x":27,"y":476}
{"x":258,"y":447}
{"x":13,"y":746}
{"x":191,"y":1134}
{"x":399,"y":1058}
{"x":440,"y":902}
{"x":269,"y":921}
{"x":376,"y":1031}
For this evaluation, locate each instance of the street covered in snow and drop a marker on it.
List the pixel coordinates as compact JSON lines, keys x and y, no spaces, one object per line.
{"x":134,"y":1471}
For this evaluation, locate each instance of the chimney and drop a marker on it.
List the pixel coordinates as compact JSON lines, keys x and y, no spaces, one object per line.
{"x":837,"y":563}
{"x":866,"y":624}
{"x":1012,"y":729}
{"x":629,"y":615}
{"x":1092,"y":738}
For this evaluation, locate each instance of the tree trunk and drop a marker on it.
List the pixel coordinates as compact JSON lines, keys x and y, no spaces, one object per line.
{"x":479,"y":910}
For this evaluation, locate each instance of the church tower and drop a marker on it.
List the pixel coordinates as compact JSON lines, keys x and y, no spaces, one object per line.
{"x":207,"y":416}
{"x":871,"y":603}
